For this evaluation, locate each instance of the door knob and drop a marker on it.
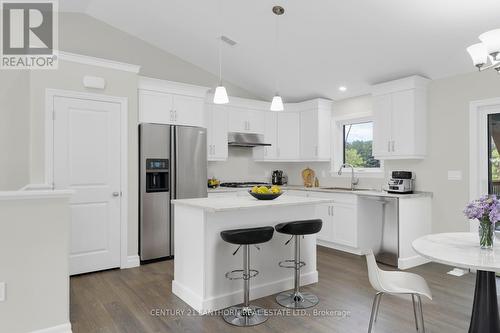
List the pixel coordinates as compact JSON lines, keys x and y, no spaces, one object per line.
{"x":116,"y":194}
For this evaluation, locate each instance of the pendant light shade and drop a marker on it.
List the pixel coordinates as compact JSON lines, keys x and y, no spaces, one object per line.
{"x":491,"y":40}
{"x":220,"y":96}
{"x":277,"y":103}
{"x":478,"y":54}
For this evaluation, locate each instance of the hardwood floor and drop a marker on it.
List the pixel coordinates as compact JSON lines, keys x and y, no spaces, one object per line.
{"x":122,"y":301}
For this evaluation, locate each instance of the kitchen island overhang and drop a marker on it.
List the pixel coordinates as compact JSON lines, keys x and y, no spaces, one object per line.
{"x":202,"y":258}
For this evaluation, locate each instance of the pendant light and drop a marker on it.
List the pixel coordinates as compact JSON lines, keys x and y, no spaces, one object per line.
{"x":220,"y":96}
{"x":277,"y":103}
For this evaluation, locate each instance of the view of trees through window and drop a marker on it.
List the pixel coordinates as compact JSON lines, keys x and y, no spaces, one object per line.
{"x":358,"y":140}
{"x":494,"y":156}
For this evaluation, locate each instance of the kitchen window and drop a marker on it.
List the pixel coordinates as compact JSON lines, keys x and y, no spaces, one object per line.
{"x":353,"y":144}
{"x":357,"y":145}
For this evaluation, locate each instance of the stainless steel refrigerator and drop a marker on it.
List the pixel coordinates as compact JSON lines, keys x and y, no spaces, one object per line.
{"x":173,"y":165}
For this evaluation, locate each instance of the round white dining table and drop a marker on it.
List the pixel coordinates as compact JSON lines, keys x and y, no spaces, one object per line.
{"x":461,"y":249}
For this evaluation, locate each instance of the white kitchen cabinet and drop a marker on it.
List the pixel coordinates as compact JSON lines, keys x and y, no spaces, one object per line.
{"x":315,"y":134}
{"x":162,"y":108}
{"x":324,"y":212}
{"x":245,"y":120}
{"x":155,"y":107}
{"x":382,"y":124}
{"x":288,"y":136}
{"x":339,"y":220}
{"x":166,"y":102}
{"x":400,"y":113}
{"x":188,"y":111}
{"x":217,"y":149}
{"x":345,"y":224}
{"x":270,"y":127}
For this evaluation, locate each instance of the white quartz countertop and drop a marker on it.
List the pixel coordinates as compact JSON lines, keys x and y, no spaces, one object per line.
{"x":363,"y":192}
{"x":459,"y":249}
{"x":247,"y":202}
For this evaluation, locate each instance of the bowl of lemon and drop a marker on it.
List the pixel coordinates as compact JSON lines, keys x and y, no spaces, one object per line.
{"x":266,"y":192}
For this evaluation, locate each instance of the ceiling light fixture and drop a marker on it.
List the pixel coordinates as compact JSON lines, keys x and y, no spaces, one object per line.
{"x":486,"y":55}
{"x":277,"y":103}
{"x":342,"y":89}
{"x":220,"y":96}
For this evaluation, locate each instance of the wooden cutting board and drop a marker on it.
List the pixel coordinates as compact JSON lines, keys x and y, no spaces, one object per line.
{"x":308,"y":176}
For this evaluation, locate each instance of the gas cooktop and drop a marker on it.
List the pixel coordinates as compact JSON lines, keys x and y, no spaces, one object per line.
{"x":244,"y":184}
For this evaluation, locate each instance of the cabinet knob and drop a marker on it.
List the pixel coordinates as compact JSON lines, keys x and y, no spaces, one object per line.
{"x":116,"y":194}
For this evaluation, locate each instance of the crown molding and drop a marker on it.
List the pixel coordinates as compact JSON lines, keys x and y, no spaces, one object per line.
{"x":100,"y":62}
{"x":152,"y":84}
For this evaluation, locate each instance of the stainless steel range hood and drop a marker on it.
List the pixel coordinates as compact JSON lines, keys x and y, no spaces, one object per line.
{"x":236,"y":139}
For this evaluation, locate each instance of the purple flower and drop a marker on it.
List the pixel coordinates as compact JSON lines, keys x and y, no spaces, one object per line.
{"x":485,"y":208}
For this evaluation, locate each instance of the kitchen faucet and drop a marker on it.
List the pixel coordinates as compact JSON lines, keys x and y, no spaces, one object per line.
{"x":354,"y":180}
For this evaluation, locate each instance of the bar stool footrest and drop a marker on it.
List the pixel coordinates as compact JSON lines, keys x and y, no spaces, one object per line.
{"x":290,"y":263}
{"x":238,"y":274}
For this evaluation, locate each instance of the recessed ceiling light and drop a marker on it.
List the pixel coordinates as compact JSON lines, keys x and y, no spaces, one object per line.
{"x":342,"y":88}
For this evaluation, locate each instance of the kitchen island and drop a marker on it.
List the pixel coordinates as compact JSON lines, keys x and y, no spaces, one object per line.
{"x":202,"y":258}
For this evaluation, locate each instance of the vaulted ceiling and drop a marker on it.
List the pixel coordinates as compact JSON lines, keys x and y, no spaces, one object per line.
{"x":323,"y":44}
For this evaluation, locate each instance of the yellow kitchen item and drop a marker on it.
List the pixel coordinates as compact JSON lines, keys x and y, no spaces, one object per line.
{"x":308,"y":176}
{"x":213,"y":183}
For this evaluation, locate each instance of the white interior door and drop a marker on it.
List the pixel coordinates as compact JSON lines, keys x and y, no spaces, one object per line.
{"x":87,"y":161}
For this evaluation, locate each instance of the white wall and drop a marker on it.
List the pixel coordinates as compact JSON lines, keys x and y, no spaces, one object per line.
{"x":14,"y":129}
{"x":83,"y":34}
{"x":34,"y":263}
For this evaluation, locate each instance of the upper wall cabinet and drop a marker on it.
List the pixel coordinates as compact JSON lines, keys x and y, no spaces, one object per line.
{"x":400,"y":115}
{"x":315,"y":132}
{"x":300,"y":133}
{"x":245,"y":120}
{"x":282,"y":131}
{"x":217,"y":149}
{"x":288,"y":136}
{"x":166,"y":102}
{"x":268,"y":153}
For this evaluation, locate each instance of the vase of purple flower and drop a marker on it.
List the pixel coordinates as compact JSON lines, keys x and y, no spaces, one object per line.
{"x":487,"y":210}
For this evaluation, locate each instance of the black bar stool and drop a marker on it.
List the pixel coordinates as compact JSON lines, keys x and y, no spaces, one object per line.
{"x":245,"y":315}
{"x":296,"y":299}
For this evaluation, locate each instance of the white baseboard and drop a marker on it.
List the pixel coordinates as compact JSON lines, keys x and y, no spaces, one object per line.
{"x":339,"y":247}
{"x":64,"y":328}
{"x":132,"y":261}
{"x":204,"y":306}
{"x":409,"y":262}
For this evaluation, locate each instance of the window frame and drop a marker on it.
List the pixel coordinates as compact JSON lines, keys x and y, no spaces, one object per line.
{"x":338,"y":150}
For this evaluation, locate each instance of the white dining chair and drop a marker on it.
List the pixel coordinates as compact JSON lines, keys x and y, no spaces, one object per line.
{"x":396,"y":283}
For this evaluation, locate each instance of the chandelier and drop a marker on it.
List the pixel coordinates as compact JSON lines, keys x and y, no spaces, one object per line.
{"x":486,"y":55}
